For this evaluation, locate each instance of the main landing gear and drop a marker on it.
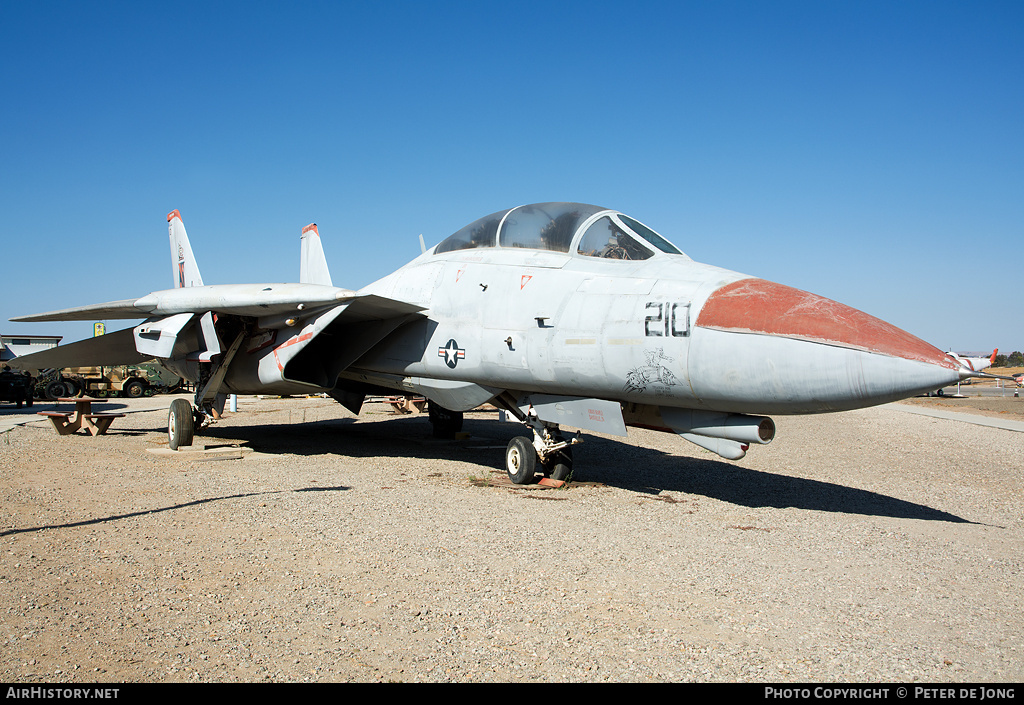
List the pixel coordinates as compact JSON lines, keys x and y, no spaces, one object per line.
{"x":445,"y":423}
{"x":183,"y":420}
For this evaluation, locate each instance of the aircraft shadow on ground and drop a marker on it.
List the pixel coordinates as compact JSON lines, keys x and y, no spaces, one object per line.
{"x":158,"y":510}
{"x":31,"y":412}
{"x":598,"y":459}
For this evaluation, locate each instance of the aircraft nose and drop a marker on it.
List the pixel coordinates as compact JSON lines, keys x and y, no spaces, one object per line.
{"x":807,"y":353}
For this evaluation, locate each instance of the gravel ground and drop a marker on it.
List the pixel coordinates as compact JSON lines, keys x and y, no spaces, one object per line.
{"x":867,"y":546}
{"x":1008,"y":407}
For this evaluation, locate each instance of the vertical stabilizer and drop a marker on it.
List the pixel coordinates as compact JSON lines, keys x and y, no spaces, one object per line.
{"x":183,"y":262}
{"x":313,"y":264}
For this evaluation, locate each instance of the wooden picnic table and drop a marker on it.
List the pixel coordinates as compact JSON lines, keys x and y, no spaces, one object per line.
{"x":407,"y":405}
{"x":68,"y":422}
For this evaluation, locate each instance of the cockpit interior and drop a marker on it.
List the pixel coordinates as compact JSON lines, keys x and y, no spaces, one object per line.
{"x":596,"y":232}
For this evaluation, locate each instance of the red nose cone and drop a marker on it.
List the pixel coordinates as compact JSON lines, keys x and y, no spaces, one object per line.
{"x":760,"y":306}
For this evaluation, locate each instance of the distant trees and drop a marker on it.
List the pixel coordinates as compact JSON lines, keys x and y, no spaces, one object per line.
{"x":1014,"y":359}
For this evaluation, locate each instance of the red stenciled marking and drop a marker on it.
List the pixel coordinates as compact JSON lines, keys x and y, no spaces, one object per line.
{"x":761,"y":306}
{"x":291,"y":341}
{"x":595,"y":414}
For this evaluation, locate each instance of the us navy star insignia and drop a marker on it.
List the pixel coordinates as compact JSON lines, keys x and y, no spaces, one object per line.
{"x":451,"y":353}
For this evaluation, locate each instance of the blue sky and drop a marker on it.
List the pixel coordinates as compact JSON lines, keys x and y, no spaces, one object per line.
{"x":870,"y":152}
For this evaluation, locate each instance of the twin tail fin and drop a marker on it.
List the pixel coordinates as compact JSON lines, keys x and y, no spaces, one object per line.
{"x":183,"y":262}
{"x":313,"y":263}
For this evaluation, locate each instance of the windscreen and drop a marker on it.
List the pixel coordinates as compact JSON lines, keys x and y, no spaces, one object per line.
{"x":479,"y":233}
{"x":545,"y":226}
{"x":649,"y":235}
{"x":606,"y":238}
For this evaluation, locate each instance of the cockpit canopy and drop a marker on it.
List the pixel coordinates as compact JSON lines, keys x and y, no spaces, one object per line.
{"x":555,"y":226}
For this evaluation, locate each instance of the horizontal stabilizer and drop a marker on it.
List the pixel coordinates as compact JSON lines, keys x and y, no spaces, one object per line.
{"x":116,"y":348}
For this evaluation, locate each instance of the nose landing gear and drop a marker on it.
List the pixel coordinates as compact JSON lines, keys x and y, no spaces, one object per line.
{"x":549,"y":450}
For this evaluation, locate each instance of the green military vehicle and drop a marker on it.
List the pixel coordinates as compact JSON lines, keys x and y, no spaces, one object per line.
{"x":16,"y":387}
{"x":132,"y":381}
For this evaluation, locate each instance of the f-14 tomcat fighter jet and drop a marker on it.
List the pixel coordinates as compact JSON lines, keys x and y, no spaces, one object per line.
{"x":561,"y":314}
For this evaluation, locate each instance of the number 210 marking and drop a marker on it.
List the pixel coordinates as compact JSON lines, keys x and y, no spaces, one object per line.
{"x":667,"y":320}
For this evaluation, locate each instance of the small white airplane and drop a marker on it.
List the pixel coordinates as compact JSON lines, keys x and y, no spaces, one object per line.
{"x":561,"y":314}
{"x":975,"y":364}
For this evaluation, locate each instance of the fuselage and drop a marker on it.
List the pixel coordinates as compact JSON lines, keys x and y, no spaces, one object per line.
{"x":640,"y":331}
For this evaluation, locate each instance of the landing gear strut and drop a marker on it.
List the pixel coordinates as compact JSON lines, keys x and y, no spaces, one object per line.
{"x":549,"y":452}
{"x":183,"y":418}
{"x":558,"y":463}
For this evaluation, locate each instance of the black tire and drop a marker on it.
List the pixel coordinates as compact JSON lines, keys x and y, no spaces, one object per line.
{"x":55,"y":390}
{"x":180,"y":424}
{"x":521,"y":461}
{"x":446,"y":423}
{"x":71,"y":389}
{"x":134,"y":389}
{"x":559,"y":464}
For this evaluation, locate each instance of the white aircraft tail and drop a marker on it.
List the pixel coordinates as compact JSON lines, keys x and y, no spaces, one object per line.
{"x":313,"y":264}
{"x":183,"y":262}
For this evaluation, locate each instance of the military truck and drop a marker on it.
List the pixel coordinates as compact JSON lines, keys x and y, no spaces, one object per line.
{"x":131,"y":381}
{"x":16,"y":386}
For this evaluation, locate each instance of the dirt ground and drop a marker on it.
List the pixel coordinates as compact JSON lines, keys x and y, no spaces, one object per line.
{"x":984,"y":397}
{"x":312,"y":545}
{"x":1006,"y":407}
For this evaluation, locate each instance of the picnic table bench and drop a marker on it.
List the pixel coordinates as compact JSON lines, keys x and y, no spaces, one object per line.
{"x":68,"y":422}
{"x":407,"y":405}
